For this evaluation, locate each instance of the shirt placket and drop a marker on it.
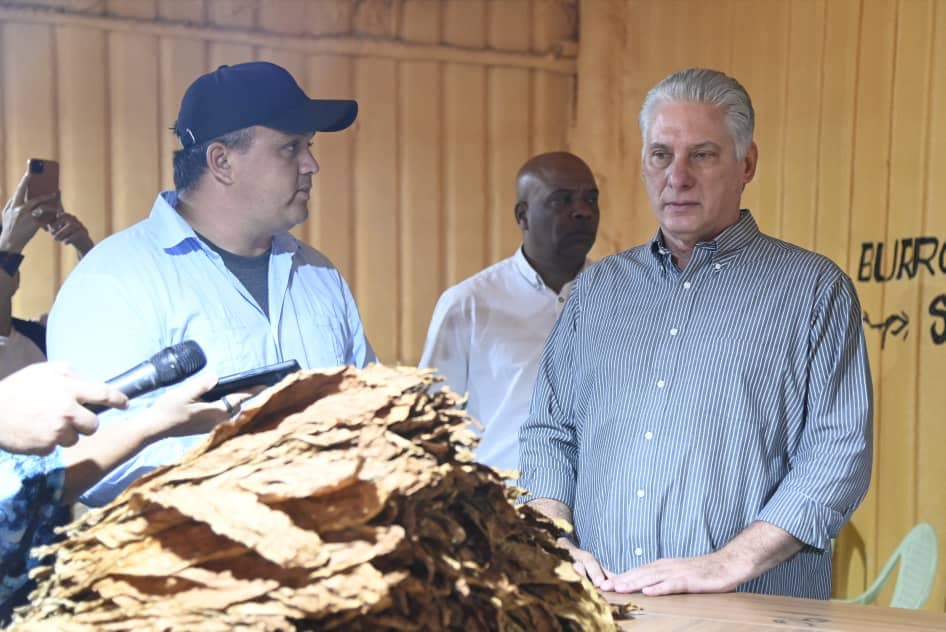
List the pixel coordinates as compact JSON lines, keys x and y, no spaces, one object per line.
{"x":681,"y":288}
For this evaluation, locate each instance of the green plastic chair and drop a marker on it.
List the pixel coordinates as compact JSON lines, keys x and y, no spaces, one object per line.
{"x":917,"y":557}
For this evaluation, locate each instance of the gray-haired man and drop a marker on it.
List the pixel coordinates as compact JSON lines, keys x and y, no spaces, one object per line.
{"x":702,"y":414}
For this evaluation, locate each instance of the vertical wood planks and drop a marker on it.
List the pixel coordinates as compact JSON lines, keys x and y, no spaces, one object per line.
{"x":331,"y":224}
{"x":552,"y":94}
{"x":30,"y":125}
{"x":931,"y":361}
{"x":799,"y":149}
{"x":833,"y":224}
{"x":896,"y":440}
{"x":182,"y":61}
{"x":508,"y":123}
{"x":377,"y":268}
{"x":134,"y":111}
{"x":465,"y":162}
{"x":420,"y":120}
{"x":870,"y":191}
{"x":84,"y":131}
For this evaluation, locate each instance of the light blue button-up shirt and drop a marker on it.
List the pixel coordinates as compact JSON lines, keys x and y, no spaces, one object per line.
{"x":156,"y":284}
{"x":674,"y":407}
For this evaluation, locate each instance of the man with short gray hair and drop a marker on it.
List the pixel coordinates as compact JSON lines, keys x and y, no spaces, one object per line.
{"x":702,"y":413}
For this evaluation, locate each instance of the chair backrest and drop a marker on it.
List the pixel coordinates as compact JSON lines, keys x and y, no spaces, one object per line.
{"x":917,"y":554}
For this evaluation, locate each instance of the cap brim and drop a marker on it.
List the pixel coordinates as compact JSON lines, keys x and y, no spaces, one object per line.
{"x":317,"y":115}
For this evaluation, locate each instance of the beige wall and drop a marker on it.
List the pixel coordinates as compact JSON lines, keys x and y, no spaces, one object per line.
{"x":454,"y":96}
{"x":850,"y":97}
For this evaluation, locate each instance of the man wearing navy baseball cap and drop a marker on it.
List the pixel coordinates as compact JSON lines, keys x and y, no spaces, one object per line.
{"x":214,"y":262}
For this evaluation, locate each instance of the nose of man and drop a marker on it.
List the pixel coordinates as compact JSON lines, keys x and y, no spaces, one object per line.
{"x":309,"y":165}
{"x":679,"y":175}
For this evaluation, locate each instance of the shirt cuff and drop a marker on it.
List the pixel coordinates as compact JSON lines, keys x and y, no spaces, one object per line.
{"x":807,"y":520}
{"x":549,"y":483}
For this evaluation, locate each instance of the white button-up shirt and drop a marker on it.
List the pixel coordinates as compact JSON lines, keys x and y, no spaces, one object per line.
{"x":486,"y":337}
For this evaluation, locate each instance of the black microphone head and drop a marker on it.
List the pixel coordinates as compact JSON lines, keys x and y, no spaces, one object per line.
{"x":175,"y":363}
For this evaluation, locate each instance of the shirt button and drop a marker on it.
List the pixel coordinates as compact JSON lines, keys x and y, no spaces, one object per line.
{"x":561,"y":299}
{"x":718,"y":266}
{"x":660,"y":383}
{"x":673,"y":331}
{"x":648,"y":435}
{"x":640,"y":493}
{"x":638,"y":551}
{"x":686,"y":285}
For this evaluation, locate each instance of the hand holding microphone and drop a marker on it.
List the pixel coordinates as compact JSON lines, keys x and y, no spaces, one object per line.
{"x":43,"y":406}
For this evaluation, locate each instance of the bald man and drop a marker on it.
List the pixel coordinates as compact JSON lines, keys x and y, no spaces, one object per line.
{"x":487,"y":332}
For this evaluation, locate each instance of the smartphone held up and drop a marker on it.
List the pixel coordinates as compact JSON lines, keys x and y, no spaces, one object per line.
{"x":42,"y":179}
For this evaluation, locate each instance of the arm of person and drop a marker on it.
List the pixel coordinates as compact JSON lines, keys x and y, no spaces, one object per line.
{"x":67,"y":229}
{"x":447,"y":347}
{"x":583,"y":561}
{"x":756,"y":549}
{"x":178,"y":412}
{"x":548,"y":439}
{"x":829,"y":469}
{"x":21,"y":219}
{"x":7,"y":289}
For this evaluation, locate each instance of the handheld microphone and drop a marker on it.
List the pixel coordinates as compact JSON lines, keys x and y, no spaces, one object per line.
{"x":166,"y":367}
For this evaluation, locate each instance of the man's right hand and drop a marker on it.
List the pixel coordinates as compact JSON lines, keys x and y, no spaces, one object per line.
{"x":584,"y":562}
{"x":43,"y":407}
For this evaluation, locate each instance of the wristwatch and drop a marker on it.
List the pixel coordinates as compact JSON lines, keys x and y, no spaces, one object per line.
{"x":10,"y":261}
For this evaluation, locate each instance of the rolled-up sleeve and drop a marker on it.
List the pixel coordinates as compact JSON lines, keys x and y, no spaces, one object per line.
{"x":548,"y":439}
{"x":830,"y":467}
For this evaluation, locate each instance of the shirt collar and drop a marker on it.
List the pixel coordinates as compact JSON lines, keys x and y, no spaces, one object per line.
{"x":728,"y":243}
{"x":172,"y":229}
{"x":532,"y":276}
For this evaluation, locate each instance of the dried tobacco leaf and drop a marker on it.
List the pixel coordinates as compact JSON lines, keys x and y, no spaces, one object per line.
{"x":340,"y":499}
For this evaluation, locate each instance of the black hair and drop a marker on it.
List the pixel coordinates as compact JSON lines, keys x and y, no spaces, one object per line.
{"x":190,"y":163}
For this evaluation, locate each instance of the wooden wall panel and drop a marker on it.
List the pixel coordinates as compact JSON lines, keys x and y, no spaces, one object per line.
{"x":465,"y":183}
{"x":905,"y":213}
{"x":84,"y":130}
{"x":135,"y":114}
{"x":931,"y":396}
{"x":833,"y":226}
{"x":508,"y":124}
{"x":181,"y":59}
{"x":552,"y":116}
{"x":799,"y":148}
{"x":376,"y":271}
{"x":849,"y":99}
{"x":31,"y":126}
{"x":331,"y":225}
{"x":420,"y":120}
{"x":870,"y":190}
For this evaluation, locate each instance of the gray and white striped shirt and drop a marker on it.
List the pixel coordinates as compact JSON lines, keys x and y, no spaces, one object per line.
{"x":674,"y":408}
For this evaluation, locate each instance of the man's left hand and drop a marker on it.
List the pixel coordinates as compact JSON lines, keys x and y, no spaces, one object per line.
{"x":710,"y":573}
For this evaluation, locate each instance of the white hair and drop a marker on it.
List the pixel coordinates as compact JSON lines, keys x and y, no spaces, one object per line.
{"x":701,"y":85}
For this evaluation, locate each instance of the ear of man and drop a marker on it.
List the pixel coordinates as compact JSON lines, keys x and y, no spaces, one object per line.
{"x":219,"y":164}
{"x":522,"y":218}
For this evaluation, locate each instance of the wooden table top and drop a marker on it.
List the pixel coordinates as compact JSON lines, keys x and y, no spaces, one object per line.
{"x":739,"y":612}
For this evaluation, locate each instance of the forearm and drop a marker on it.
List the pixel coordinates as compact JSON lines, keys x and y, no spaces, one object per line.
{"x":7,"y":285}
{"x":87,"y":462}
{"x":758,"y":548}
{"x":553,"y":509}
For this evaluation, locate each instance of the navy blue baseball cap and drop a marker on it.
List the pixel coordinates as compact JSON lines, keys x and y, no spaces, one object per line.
{"x":255,"y":93}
